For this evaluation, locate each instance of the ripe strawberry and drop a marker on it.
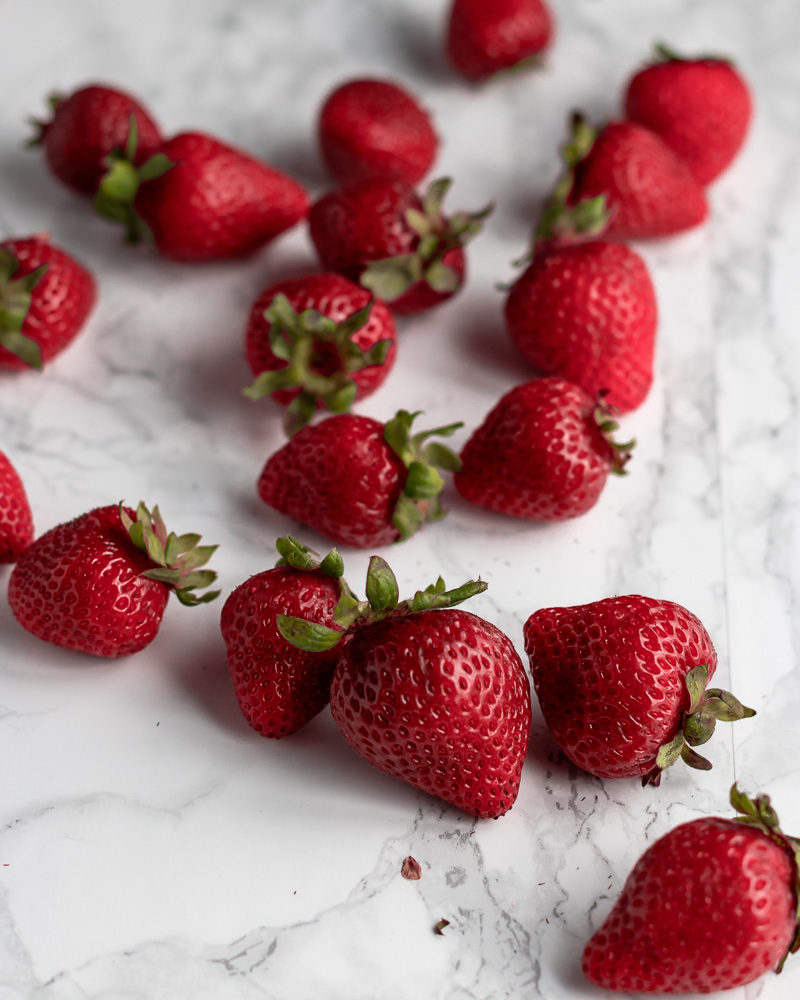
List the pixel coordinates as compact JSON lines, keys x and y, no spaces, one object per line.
{"x":318,"y":341}
{"x":397,"y":245}
{"x":543,"y":453}
{"x":358,"y":481}
{"x":373,"y":128}
{"x":16,"y":520}
{"x":487,"y":36}
{"x":88,"y":126}
{"x":710,"y":906}
{"x":701,"y":108}
{"x":99,"y":584}
{"x":45,"y":298}
{"x":622,"y":685}
{"x":430,"y":694}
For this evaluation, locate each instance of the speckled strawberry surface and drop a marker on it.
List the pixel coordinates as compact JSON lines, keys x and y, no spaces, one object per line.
{"x":487,"y":36}
{"x":16,"y":520}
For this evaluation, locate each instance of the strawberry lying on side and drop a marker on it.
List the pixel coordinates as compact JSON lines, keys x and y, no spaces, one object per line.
{"x":16,"y":520}
{"x":710,"y":906}
{"x":318,"y":342}
{"x":45,"y":298}
{"x":426,"y":692}
{"x":485,"y":37}
{"x":622,"y":685}
{"x":99,"y":584}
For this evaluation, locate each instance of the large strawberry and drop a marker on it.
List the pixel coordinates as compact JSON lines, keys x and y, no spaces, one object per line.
{"x":358,"y":481}
{"x":487,"y":36}
{"x":700,"y":107}
{"x":45,"y":298}
{"x":99,"y":584}
{"x":623,"y":685}
{"x":16,"y":520}
{"x":710,"y":906}
{"x":318,"y":341}
{"x":426,"y":692}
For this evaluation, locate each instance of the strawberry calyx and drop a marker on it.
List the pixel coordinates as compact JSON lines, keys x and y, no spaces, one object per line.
{"x":294,"y":338}
{"x":665,"y":53}
{"x":391,"y":277}
{"x":707,"y":707}
{"x":177,"y":558}
{"x":41,"y":127}
{"x":294,"y":553}
{"x":15,"y":302}
{"x":621,"y":452}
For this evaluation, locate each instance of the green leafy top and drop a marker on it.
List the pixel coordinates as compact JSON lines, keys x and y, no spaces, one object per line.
{"x":665,"y":53}
{"x":15,"y":302}
{"x":54,"y":98}
{"x":605,"y":418}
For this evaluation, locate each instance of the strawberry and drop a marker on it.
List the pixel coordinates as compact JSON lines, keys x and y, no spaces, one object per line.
{"x":45,"y":298}
{"x":701,"y":108}
{"x":278,"y":686}
{"x":16,"y":520}
{"x":427,"y":692}
{"x":373,"y":128}
{"x":543,"y":453}
{"x":588,"y":313}
{"x":485,"y":37}
{"x":318,"y":341}
{"x":397,"y":245}
{"x":358,"y":481}
{"x":710,"y":906}
{"x":88,"y":126}
{"x":99,"y":584}
{"x":622,"y":685}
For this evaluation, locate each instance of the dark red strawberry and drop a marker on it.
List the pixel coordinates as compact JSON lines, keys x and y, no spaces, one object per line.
{"x":358,"y":481}
{"x":543,"y":453}
{"x":710,"y":906}
{"x":397,"y":245}
{"x":88,"y":126}
{"x":373,"y":128}
{"x":622,"y":685}
{"x":487,"y":36}
{"x":99,"y":584}
{"x":318,"y":341}
{"x":16,"y":520}
{"x":701,"y":108}
{"x":45,"y":298}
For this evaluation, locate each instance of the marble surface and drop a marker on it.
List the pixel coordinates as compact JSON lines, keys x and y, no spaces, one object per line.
{"x":151,"y":845}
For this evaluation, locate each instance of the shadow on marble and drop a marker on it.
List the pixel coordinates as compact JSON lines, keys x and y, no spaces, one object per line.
{"x":484,"y":339}
{"x":420,"y":42}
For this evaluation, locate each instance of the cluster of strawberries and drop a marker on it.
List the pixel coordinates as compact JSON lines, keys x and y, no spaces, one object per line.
{"x":420,"y":688}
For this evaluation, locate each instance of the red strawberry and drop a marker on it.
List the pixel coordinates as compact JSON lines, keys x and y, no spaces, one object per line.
{"x":487,"y":36}
{"x":588,"y":313}
{"x":373,"y":128}
{"x":543,"y":453}
{"x":622,"y":685}
{"x":318,"y":341}
{"x":16,"y":520}
{"x":701,"y":108}
{"x":278,"y":686}
{"x":99,"y":584}
{"x":399,"y":246}
{"x":710,"y":906}
{"x":358,"y":481}
{"x":432,"y":695}
{"x":88,"y":126}
{"x":45,"y":298}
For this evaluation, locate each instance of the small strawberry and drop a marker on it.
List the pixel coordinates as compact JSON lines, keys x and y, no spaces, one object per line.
{"x":358,"y":481}
{"x":622,"y":685}
{"x":543,"y":453}
{"x":397,"y":245}
{"x":710,"y":906}
{"x":99,"y":584}
{"x":426,"y":692}
{"x":701,"y":108}
{"x":375,"y":129}
{"x":485,"y":37}
{"x":318,"y":341}
{"x":16,"y":520}
{"x":45,"y":298}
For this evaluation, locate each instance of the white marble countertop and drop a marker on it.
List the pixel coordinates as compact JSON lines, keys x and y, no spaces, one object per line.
{"x":151,"y":845}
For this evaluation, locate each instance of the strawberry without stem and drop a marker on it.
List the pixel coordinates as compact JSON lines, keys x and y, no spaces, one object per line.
{"x":485,"y":37}
{"x":16,"y":520}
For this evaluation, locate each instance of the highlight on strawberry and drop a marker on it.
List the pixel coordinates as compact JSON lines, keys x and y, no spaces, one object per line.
{"x":16,"y":519}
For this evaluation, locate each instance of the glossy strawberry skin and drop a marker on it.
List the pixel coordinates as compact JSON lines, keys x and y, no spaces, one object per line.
{"x":730,"y":884}
{"x":610,"y":678}
{"x":439,"y":699}
{"x":486,"y":36}
{"x":16,"y":520}
{"x":60,"y":303}
{"x":587,"y":312}
{"x":375,"y":129}
{"x":279,"y":687}
{"x":80,"y":586}
{"x":216,"y":201}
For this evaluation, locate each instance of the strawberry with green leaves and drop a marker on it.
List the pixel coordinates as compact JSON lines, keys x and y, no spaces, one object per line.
{"x":16,"y":520}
